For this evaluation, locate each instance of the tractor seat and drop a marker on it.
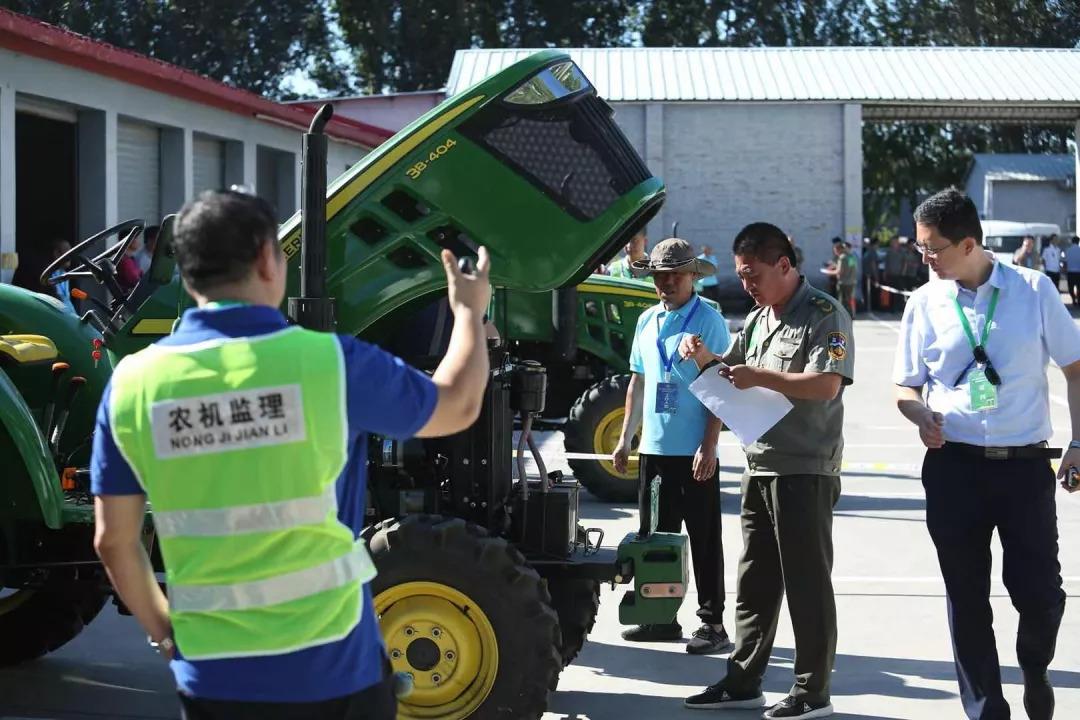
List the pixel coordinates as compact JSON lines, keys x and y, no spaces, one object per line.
{"x":26,"y":349}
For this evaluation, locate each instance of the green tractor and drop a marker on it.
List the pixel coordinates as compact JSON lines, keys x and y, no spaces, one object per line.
{"x":487,"y":586}
{"x":582,"y":335}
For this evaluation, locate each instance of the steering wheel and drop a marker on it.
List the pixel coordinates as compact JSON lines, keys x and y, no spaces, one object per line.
{"x":100,"y":267}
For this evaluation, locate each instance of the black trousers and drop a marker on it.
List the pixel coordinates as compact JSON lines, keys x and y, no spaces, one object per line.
{"x":1055,"y":277}
{"x":966,"y":499}
{"x":898,"y":302}
{"x":1074,"y":285}
{"x":374,"y":703}
{"x":787,"y":545}
{"x":682,"y":498}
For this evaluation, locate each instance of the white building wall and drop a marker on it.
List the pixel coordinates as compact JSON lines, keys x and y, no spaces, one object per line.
{"x":726,"y":165}
{"x":630,"y":118}
{"x":1045,"y":201}
{"x":391,"y":112}
{"x":97,"y":100}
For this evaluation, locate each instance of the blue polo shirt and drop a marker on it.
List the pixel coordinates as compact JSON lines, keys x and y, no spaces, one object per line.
{"x":384,"y":396}
{"x":678,"y":433}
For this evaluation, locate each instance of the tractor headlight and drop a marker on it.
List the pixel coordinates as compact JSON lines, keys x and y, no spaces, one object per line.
{"x":550,"y":84}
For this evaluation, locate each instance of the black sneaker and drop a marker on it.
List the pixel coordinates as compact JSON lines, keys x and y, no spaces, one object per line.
{"x":792,"y":707}
{"x":653,"y":633}
{"x":707,"y":640}
{"x":1038,"y":697}
{"x":718,"y":697}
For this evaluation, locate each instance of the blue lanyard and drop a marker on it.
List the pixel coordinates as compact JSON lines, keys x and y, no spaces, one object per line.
{"x":668,"y":362}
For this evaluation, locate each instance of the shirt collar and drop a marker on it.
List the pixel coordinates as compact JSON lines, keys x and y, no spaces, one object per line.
{"x":680,"y":312}
{"x":801,"y":293}
{"x":232,"y":320}
{"x":996,"y":280}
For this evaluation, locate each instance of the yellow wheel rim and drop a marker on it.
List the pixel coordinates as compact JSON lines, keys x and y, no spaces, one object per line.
{"x":606,"y":438}
{"x":8,"y":603}
{"x":445,"y":641}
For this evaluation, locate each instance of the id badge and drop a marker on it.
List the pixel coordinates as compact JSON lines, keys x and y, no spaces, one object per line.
{"x":983,"y":394}
{"x":667,"y":398}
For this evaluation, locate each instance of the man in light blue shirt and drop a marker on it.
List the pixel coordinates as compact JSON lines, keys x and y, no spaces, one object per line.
{"x":678,"y":439}
{"x":971,"y":374}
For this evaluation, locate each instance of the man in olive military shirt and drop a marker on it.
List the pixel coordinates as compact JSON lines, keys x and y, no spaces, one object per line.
{"x":797,"y":341}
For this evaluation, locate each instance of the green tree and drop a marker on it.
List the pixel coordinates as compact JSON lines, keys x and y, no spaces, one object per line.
{"x":405,"y":44}
{"x":251,"y":44}
{"x":904,"y":161}
{"x":410,"y":44}
{"x":686,"y":23}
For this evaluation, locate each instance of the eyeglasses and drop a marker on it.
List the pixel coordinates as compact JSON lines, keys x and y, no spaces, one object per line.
{"x":929,"y":251}
{"x":983,"y":359}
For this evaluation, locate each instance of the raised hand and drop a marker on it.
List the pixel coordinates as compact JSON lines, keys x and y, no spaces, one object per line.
{"x":468,"y":292}
{"x":692,"y":346}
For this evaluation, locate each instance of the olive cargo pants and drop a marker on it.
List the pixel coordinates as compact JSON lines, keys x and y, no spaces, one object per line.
{"x":787,"y":543}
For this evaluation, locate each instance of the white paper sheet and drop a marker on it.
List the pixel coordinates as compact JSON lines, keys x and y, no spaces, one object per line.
{"x":749,"y":413}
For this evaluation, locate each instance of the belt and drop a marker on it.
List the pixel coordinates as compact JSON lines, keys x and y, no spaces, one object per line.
{"x":1037,"y":451}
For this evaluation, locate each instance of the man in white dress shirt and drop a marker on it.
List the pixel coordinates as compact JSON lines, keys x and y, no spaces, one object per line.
{"x":1051,"y":257}
{"x":971,"y":374}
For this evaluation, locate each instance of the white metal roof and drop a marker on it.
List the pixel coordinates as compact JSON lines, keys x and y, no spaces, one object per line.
{"x":1024,"y":166}
{"x":868,"y":75}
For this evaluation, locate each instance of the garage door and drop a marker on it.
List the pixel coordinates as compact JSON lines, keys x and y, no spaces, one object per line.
{"x":209,"y":164}
{"x":138,"y":171}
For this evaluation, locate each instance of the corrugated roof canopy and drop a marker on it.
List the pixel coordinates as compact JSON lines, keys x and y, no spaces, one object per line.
{"x":891,"y":83}
{"x":1021,"y":166}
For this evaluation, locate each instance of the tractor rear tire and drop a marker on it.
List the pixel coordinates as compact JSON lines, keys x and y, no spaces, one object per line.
{"x":466,"y":615}
{"x":593,"y":427}
{"x":36,"y":621}
{"x":576,"y":601}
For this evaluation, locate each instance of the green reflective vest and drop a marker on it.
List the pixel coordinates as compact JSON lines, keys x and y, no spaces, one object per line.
{"x":238,"y":444}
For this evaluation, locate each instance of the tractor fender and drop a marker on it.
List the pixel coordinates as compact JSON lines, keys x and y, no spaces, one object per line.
{"x":17,"y":419}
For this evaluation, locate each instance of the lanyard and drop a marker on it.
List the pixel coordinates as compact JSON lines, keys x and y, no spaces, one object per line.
{"x":986,"y":326}
{"x":668,"y":362}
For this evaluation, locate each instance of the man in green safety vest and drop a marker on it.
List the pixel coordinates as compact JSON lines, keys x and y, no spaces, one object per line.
{"x":248,"y":437}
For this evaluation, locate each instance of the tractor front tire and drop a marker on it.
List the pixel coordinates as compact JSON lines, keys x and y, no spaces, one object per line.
{"x":467,"y":617}
{"x":576,"y":601}
{"x":35,"y":621}
{"x":594,"y":427}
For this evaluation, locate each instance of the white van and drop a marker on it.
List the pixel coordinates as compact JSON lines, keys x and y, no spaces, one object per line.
{"x":1004,"y":237}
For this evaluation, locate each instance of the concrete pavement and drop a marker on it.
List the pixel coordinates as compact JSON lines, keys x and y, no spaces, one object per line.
{"x":894,"y":657}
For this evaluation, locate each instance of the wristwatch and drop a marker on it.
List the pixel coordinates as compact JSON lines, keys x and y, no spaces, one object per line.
{"x":165,"y":646}
{"x":1074,"y":444}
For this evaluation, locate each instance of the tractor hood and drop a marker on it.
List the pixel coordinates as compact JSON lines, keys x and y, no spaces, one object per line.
{"x":528,"y":163}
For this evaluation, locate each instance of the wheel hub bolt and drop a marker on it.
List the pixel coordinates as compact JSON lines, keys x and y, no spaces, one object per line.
{"x":409,"y":632}
{"x":436,"y":632}
{"x":450,"y":655}
{"x":436,"y":678}
{"x":395,"y":654}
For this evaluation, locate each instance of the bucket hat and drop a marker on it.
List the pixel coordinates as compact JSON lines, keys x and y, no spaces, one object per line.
{"x":674,"y":255}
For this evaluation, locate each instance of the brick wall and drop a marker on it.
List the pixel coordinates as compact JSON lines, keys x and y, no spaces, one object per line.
{"x":728,"y":165}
